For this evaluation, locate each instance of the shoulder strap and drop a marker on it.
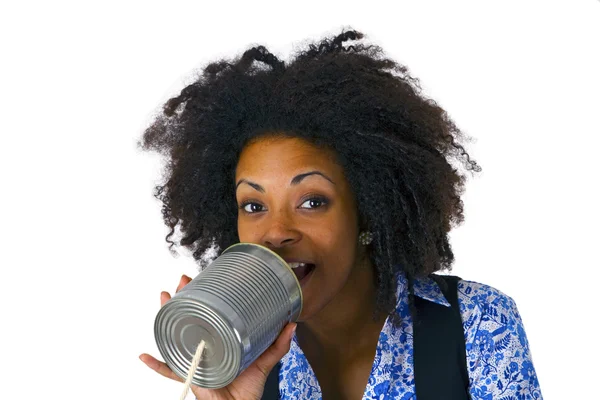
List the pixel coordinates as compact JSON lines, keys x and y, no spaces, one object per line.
{"x":271,"y":391}
{"x":439,"y":346}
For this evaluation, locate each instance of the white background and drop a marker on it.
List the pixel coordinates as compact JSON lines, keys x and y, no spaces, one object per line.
{"x":83,"y":256}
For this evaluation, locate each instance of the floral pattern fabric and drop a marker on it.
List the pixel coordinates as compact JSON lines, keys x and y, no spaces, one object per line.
{"x":498,"y":358}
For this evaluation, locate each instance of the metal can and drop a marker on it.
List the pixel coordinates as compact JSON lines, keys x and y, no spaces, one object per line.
{"x":238,"y":305}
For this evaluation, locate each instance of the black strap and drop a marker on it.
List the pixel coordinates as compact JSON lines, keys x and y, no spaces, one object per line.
{"x":439,"y":349}
{"x":439,"y":346}
{"x":271,"y":391}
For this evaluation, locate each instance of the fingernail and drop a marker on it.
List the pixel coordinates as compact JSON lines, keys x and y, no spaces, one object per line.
{"x":150,"y":363}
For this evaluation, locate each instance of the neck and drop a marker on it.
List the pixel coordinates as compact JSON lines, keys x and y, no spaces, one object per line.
{"x":345,"y":327}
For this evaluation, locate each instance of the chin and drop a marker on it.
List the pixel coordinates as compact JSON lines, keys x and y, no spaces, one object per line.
{"x":311,"y":307}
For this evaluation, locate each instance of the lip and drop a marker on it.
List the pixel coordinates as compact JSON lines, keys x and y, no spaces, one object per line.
{"x":295,"y":260}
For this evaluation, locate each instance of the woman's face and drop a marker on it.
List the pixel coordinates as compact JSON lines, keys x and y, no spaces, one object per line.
{"x":294,"y":199}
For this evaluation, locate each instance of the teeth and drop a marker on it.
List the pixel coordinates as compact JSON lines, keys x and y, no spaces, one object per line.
{"x":294,"y":265}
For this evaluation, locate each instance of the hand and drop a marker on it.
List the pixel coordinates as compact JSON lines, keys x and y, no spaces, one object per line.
{"x":250,"y":384}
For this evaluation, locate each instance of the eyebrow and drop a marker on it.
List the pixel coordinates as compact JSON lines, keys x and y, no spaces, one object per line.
{"x":295,"y":181}
{"x":298,"y":178}
{"x":256,"y":186}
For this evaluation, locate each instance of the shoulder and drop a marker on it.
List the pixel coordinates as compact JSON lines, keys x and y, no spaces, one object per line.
{"x":478,"y":295}
{"x":498,"y":354}
{"x":486,"y":310}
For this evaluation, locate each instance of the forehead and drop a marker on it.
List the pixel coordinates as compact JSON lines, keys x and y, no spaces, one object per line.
{"x":274,"y":156}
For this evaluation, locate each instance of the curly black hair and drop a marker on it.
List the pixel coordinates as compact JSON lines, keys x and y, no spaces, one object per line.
{"x":395,"y":146}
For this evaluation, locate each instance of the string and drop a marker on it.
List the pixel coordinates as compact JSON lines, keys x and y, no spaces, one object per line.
{"x":192,"y":370}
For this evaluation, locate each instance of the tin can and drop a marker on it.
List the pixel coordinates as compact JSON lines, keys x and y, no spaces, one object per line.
{"x":238,"y":305}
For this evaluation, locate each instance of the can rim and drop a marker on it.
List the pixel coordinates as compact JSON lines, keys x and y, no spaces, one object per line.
{"x":173,"y":358}
{"x":282,"y":261}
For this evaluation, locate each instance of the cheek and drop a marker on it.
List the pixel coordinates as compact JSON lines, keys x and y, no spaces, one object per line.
{"x":340,"y":237}
{"x":245,"y":232}
{"x":339,"y":242}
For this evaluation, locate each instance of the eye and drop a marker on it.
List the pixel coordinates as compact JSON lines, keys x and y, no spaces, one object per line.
{"x":314,"y":202}
{"x":252,"y":208}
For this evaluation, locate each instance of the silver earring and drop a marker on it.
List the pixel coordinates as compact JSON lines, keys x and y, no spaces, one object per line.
{"x":365,"y":238}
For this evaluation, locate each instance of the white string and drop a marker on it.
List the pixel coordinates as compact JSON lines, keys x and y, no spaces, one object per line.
{"x":192,"y":371}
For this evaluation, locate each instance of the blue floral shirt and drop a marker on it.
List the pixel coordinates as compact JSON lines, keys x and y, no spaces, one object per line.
{"x":498,"y":357}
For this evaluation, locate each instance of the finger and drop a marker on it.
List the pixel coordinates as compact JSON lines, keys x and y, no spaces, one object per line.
{"x":277,"y":350}
{"x":183,"y":281}
{"x":159,"y":367}
{"x":164,"y":297}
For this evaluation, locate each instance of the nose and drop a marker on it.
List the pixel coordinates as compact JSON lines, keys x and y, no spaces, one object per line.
{"x":280,"y":232}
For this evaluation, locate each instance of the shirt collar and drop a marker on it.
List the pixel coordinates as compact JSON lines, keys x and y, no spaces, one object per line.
{"x":424,"y":287}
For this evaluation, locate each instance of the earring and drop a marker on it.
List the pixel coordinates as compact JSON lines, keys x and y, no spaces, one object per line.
{"x":365,"y":238}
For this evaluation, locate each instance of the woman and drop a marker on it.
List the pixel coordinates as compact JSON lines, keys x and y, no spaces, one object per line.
{"x":336,"y":161}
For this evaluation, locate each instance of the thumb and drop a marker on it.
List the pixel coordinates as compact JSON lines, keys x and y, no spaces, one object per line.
{"x":277,"y":350}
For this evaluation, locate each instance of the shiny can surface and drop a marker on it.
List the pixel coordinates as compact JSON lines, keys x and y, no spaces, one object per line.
{"x":238,"y":305}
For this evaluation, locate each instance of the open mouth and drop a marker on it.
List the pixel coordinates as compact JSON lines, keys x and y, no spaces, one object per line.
{"x":302,"y":270}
